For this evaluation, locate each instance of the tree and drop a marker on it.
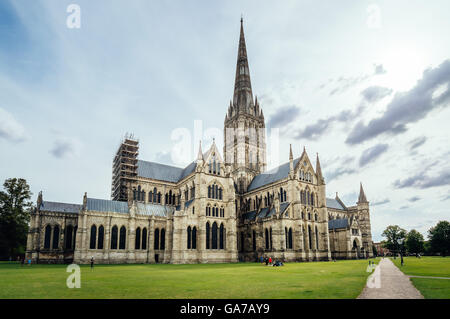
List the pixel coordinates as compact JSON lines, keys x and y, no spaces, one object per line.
{"x":414,"y":242}
{"x":439,"y":236}
{"x":374,"y":250}
{"x":393,"y":233}
{"x":15,"y":209}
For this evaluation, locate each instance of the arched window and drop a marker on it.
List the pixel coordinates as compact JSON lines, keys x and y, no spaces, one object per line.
{"x":156,"y":241}
{"x":123,"y":237}
{"x":308,"y":198}
{"x":137,"y":240}
{"x":220,"y":193}
{"x":163,"y":239}
{"x":315,"y":217}
{"x":144,"y":238}
{"x":267,"y":238}
{"x":310,"y":237}
{"x":254,"y":241}
{"x":286,"y":237}
{"x":150,"y":197}
{"x":221,"y":236}
{"x":194,"y":238}
{"x":114,"y":237}
{"x":154,"y":195}
{"x":207,"y":235}
{"x":68,"y":237}
{"x":101,"y":236}
{"x":209,"y":191}
{"x":139,"y":193}
{"x":189,"y":237}
{"x":312,"y":198}
{"x":290,"y":238}
{"x":55,"y":237}
{"x":317,"y":239}
{"x":92,"y":244}
{"x":214,"y":236}
{"x":159,"y":198}
{"x":48,"y":235}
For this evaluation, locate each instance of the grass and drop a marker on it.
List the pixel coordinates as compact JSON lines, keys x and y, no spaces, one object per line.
{"x":428,"y":266}
{"x":341,"y":279}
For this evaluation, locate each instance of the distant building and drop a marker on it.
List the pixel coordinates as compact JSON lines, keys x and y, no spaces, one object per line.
{"x":217,"y":209}
{"x":381,"y":251}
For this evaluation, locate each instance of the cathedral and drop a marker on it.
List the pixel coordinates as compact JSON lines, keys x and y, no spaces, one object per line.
{"x":222,"y":207}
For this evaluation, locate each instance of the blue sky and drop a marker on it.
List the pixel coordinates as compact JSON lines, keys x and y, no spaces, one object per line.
{"x":370,"y":96}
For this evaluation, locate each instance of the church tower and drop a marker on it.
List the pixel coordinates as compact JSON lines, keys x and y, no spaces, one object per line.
{"x":244,"y":127}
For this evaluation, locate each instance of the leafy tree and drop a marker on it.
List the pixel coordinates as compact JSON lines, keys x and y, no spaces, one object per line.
{"x":439,"y":236}
{"x":15,"y":209}
{"x":427,"y":248}
{"x":414,"y":242}
{"x":393,"y":233}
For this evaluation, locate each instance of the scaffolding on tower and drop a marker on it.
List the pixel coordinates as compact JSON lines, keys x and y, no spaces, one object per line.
{"x":124,"y":170}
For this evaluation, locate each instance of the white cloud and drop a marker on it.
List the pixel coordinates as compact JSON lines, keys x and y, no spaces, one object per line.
{"x":10,"y":128}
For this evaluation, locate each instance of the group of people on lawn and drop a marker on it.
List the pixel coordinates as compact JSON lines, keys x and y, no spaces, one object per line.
{"x":270,"y":262}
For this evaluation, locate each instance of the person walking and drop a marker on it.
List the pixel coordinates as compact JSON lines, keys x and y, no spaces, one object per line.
{"x":270,"y":260}
{"x":92,"y":263}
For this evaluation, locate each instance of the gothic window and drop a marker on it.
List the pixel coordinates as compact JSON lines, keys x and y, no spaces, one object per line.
{"x":144,"y":238}
{"x":137,"y":242}
{"x":166,"y":201}
{"x":122,"y":237}
{"x":150,"y":197}
{"x":286,"y":237}
{"x":290,"y":238}
{"x":192,"y":192}
{"x":156,"y":241}
{"x":189,"y":237}
{"x":68,"y":237}
{"x":159,"y":198}
{"x":308,"y":198}
{"x":139,"y":193}
{"x":55,"y":237}
{"x":267,"y":238}
{"x":48,"y":235}
{"x":93,"y":237}
{"x":220,"y":193}
{"x":134,"y":194}
{"x":163,"y":239}
{"x":221,"y":236}
{"x":155,"y":195}
{"x":310,"y":237}
{"x":207,"y":235}
{"x":309,"y":216}
{"x":315,"y":217}
{"x":194,"y":238}
{"x":114,"y":237}
{"x":101,"y":237}
{"x":317,"y":239}
{"x":214,"y":236}
{"x":312,"y":199}
{"x":213,"y":194}
{"x":209,"y":191}
{"x":210,"y":166}
{"x":284,"y":196}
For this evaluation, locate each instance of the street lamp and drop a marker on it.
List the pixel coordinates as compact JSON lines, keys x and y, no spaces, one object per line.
{"x":400,"y":243}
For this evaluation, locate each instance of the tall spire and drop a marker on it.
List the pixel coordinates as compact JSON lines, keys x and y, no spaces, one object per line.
{"x":319,"y":171}
{"x":243,"y":96}
{"x":291,"y":159}
{"x":362,"y":197}
{"x":200,"y":153}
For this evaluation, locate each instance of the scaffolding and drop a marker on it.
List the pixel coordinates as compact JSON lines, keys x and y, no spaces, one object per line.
{"x":124,"y":170}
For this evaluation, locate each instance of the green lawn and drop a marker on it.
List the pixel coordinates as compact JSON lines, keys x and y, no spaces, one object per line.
{"x":428,"y":266}
{"x":341,"y":279}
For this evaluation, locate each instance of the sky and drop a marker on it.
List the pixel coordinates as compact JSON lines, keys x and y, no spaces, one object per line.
{"x":365,"y":84}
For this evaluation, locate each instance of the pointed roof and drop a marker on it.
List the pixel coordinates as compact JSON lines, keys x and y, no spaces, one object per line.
{"x":291,"y":157}
{"x":362,"y":197}
{"x":243,"y":96}
{"x":319,"y":170}
{"x":200,"y":153}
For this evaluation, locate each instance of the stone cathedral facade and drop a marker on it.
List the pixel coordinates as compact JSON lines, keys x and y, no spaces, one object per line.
{"x":222,"y":207}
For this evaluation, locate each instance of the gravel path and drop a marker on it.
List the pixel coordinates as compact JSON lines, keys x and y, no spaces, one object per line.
{"x":389,"y":282}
